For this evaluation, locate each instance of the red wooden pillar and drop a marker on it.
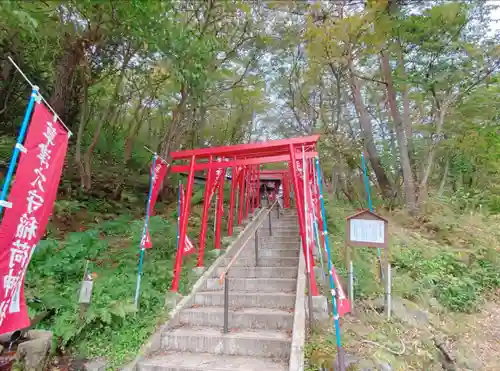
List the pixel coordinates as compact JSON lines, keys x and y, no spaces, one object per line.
{"x":220,"y":211}
{"x":183,"y":226}
{"x":258,"y":188}
{"x":204,"y":218}
{"x":241,"y":194}
{"x":252,"y":189}
{"x":247,"y":192}
{"x":234,"y":184}
{"x":300,"y":214}
{"x":286,"y":191}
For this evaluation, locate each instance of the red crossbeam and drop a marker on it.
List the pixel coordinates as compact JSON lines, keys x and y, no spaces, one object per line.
{"x":278,"y":147}
{"x":234,"y":163}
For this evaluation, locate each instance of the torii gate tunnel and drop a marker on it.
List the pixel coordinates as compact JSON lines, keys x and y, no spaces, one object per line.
{"x":245,"y":161}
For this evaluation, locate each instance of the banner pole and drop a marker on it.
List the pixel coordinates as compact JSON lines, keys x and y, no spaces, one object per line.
{"x":178,"y":214}
{"x":334,"y":290}
{"x":18,"y":148}
{"x":144,"y":231}
{"x":370,"y":206}
{"x":40,"y":95}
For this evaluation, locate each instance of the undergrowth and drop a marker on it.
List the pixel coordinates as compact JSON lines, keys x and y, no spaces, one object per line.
{"x":446,"y":256}
{"x":110,"y":327}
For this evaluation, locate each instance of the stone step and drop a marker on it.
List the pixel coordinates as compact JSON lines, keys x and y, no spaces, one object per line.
{"x":253,"y":284}
{"x":280,"y":233}
{"x":184,"y":361}
{"x":259,"y":272}
{"x":259,"y":343}
{"x":280,"y":244}
{"x":265,"y":252}
{"x":244,"y":318}
{"x":264,"y":262}
{"x":237,"y":300}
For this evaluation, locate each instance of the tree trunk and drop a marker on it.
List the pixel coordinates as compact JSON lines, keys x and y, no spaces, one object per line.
{"x":430,"y":157}
{"x":409,"y":183}
{"x":72,"y":55}
{"x":81,"y":129}
{"x":442,"y":185}
{"x":108,"y":117}
{"x":367,"y":134}
{"x":175,"y":130}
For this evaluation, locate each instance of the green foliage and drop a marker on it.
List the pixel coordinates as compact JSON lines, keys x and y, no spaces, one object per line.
{"x":457,"y":284}
{"x":433,"y":267}
{"x":110,"y":327}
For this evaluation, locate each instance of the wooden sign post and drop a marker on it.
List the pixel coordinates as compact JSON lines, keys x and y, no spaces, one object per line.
{"x":367,"y":229}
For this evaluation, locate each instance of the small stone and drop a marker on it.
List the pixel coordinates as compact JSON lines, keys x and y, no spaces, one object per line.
{"x":96,"y":365}
{"x":34,"y":353}
{"x":172,"y":299}
{"x":382,"y":366}
{"x":406,"y":310}
{"x":198,"y":271}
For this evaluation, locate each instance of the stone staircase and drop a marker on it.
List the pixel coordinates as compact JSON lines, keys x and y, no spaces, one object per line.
{"x":261,"y":311}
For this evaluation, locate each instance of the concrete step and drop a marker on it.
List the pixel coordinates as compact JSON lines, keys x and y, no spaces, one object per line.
{"x":274,"y":300}
{"x":266,"y":252}
{"x":254,"y":284}
{"x":264,"y":262}
{"x":280,"y":243}
{"x":259,"y":272}
{"x":277,"y":234}
{"x":244,"y":318}
{"x":260,"y":343}
{"x":185,"y":361}
{"x":284,"y":232}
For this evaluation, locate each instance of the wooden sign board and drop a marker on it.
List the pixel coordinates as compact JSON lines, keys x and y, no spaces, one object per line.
{"x":366,"y":228}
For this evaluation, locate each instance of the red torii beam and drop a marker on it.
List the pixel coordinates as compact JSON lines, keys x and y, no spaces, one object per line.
{"x":245,"y":160}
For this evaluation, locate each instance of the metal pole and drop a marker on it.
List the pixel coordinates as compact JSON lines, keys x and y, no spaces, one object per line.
{"x":370,"y":206}
{"x":350,"y":275}
{"x":256,"y":247}
{"x":270,"y":224}
{"x":17,"y":149}
{"x":331,"y":270}
{"x":144,"y":233}
{"x":388,"y":298}
{"x":226,"y":304}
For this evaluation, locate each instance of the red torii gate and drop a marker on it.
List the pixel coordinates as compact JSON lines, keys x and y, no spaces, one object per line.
{"x":245,"y":161}
{"x":284,"y":176}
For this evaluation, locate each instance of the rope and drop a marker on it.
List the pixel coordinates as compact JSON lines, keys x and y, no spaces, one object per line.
{"x":400,"y":353}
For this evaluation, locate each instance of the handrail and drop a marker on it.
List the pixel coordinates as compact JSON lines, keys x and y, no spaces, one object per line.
{"x":224,"y":273}
{"x":223,"y":278}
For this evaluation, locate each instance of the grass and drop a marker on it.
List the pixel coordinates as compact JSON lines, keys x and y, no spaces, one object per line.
{"x":447,"y":264}
{"x":111,"y":327}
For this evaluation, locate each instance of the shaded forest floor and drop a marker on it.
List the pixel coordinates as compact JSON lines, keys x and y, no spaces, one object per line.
{"x":103,"y":231}
{"x":446,"y":291}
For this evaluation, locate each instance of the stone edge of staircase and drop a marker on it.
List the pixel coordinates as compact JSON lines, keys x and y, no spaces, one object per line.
{"x":296,"y":362}
{"x":154,"y":342}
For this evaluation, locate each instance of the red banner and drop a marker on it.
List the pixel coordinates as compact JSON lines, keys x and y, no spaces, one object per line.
{"x":215,"y":182}
{"x":159,"y":174}
{"x":160,"y":171}
{"x":33,"y":193}
{"x":188,"y":245}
